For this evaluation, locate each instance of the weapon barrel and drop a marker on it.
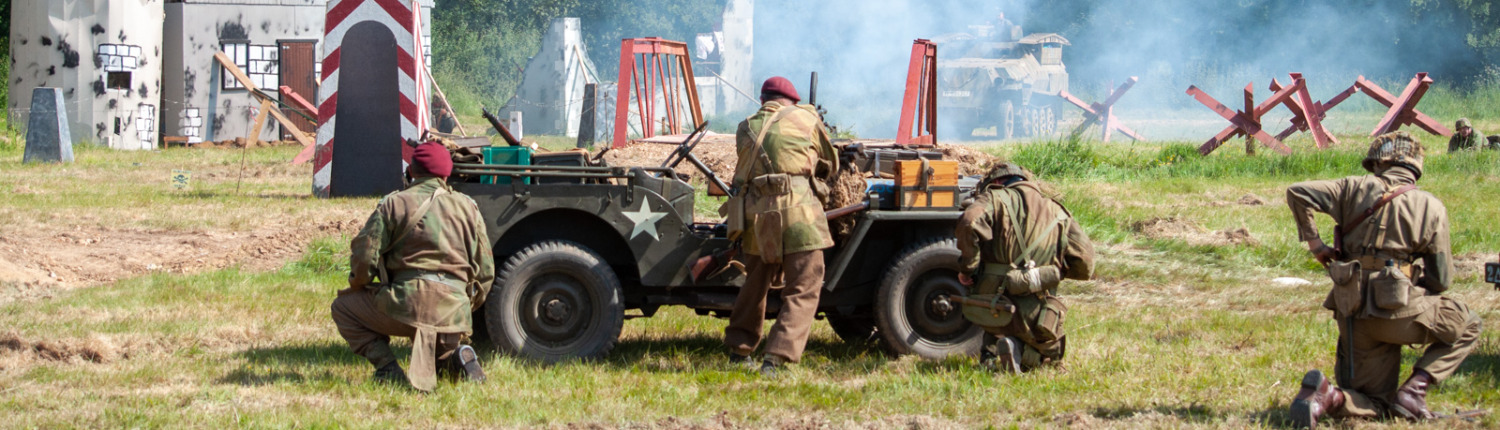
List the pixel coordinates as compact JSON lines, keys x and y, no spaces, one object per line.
{"x":504,"y":132}
{"x":846,"y":210}
{"x":971,"y":302}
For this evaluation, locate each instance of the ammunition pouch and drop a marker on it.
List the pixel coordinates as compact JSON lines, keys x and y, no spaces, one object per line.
{"x":998,"y":314}
{"x":733,"y":212}
{"x":1049,"y":325}
{"x":1390,"y":288}
{"x":772,"y":184}
{"x":1346,"y":298}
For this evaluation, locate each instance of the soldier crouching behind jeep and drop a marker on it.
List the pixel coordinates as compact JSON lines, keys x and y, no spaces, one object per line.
{"x":1390,"y":262}
{"x":777,"y":214}
{"x":428,"y":246}
{"x":1027,"y":243}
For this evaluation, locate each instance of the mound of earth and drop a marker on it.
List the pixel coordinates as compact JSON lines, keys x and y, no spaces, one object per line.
{"x":1192,"y":233}
{"x":36,"y":261}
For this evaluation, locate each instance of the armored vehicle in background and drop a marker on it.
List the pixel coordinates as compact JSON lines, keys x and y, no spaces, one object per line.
{"x":578,"y":244}
{"x":999,"y":78}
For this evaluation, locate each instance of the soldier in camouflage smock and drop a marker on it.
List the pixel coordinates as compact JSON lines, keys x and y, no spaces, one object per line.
{"x":1392,"y":263}
{"x":1465,"y":137}
{"x":784,"y":157}
{"x":428,"y":246}
{"x":1016,"y":245}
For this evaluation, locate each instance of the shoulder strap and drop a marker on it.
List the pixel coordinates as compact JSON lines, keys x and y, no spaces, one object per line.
{"x":1389,"y":195}
{"x":760,"y":137}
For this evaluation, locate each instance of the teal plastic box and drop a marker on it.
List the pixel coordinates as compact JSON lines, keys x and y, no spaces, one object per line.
{"x":508,"y":155}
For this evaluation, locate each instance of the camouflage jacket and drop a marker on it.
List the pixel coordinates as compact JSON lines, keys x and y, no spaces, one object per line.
{"x":1413,"y":226}
{"x":795,"y":144}
{"x":1002,"y":221}
{"x":1474,"y":141}
{"x":440,"y":270}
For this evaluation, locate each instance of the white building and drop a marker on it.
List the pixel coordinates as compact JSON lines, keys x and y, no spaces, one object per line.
{"x":133,"y":71}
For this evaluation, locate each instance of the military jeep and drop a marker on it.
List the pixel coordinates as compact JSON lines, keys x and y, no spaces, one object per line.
{"x":579,"y":248}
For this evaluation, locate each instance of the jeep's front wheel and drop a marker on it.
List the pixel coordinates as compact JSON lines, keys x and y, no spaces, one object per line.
{"x":912,"y":310}
{"x":554,"y":301}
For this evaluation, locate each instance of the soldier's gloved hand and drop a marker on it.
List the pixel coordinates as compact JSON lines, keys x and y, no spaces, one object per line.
{"x":965,"y":280}
{"x":1321,"y":252}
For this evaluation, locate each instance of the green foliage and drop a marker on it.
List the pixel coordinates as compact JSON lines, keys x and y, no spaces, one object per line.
{"x":482,"y":47}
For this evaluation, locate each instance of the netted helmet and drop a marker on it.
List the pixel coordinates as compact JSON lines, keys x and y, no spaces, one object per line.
{"x":1003,"y":170}
{"x":1392,"y":149}
{"x":1463,"y":122}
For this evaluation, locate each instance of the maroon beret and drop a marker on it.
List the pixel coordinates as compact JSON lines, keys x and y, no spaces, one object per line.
{"x":434,"y":158}
{"x":779,"y":85}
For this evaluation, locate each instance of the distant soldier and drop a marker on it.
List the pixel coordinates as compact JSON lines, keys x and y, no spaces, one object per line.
{"x":1027,"y":243}
{"x":446,"y":122}
{"x":428,"y":246}
{"x":1390,"y":262}
{"x":1465,"y":137}
{"x":784,"y":157}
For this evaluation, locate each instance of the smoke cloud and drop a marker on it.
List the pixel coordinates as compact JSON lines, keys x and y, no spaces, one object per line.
{"x":861,"y":48}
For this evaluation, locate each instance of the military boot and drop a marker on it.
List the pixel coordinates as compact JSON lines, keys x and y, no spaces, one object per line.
{"x":390,"y":374}
{"x":1008,"y":355}
{"x":1411,"y":398}
{"x":987,"y":352}
{"x":463,"y":365}
{"x":1316,"y":399}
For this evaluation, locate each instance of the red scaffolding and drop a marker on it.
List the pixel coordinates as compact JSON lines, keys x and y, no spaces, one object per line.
{"x":654,"y":67}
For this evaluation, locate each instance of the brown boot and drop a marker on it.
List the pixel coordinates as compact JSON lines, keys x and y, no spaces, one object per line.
{"x":1316,"y":399}
{"x":1411,"y":398}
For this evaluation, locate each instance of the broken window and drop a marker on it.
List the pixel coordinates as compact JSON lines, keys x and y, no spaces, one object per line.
{"x":259,"y":62}
{"x":118,"y":62}
{"x":117,"y":80}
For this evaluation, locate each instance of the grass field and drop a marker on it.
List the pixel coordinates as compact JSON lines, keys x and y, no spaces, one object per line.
{"x":1182,"y":327}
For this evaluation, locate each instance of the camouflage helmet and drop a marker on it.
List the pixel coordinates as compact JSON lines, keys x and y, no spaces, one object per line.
{"x":1463,"y":122}
{"x":1003,"y":170}
{"x":1394,"y":148}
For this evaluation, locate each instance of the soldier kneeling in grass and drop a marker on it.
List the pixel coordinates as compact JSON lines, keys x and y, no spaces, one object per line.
{"x":1027,"y":243}
{"x":428,"y":246}
{"x":1390,"y":263}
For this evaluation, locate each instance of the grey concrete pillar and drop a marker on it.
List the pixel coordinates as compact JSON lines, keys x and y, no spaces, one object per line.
{"x":47,"y":137}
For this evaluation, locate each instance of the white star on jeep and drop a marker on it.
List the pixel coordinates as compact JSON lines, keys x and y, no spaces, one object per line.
{"x":645,"y":220}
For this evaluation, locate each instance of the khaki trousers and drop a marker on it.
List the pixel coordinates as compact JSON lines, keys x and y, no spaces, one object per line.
{"x":1448,"y":328}
{"x":369,"y":331}
{"x":803,"y":275}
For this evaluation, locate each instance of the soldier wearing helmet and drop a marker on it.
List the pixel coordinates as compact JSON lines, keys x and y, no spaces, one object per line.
{"x":1016,"y":245}
{"x":1465,"y":137}
{"x":1390,"y":263}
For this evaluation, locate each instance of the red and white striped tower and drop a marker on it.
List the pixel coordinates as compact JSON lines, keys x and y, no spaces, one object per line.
{"x":404,"y":19}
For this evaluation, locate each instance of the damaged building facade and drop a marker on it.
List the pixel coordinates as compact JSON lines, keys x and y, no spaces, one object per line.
{"x":133,"y":71}
{"x":105,"y":56}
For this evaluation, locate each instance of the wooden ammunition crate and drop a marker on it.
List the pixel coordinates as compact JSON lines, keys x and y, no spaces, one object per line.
{"x":927,"y":184}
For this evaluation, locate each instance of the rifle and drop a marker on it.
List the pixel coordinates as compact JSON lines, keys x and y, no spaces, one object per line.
{"x":504,"y":132}
{"x":812,"y":99}
{"x":961,"y":300}
{"x":711,"y":265}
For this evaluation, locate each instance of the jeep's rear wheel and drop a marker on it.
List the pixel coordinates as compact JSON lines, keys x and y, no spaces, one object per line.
{"x":912,"y":311}
{"x":553,"y":301}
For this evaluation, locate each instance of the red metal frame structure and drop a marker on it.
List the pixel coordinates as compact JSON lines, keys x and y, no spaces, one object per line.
{"x":919,"y":106}
{"x":1103,"y":112}
{"x":1245,"y":122}
{"x":1307,"y":115}
{"x":1403,"y":110}
{"x":655,"y":67}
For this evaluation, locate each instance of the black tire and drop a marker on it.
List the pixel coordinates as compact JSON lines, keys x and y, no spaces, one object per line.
{"x":911,"y":315}
{"x":554,"y":301}
{"x":858,"y":330}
